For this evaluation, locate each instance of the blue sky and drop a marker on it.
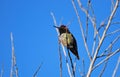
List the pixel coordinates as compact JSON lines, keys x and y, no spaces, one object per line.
{"x":35,"y":38}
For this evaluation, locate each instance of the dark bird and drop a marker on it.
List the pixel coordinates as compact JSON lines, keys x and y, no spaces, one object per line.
{"x":68,"y":40}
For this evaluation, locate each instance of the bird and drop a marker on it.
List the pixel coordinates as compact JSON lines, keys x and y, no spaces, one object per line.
{"x":68,"y":40}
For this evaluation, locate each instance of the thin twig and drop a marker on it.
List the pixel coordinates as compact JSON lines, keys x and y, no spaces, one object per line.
{"x":87,"y":19}
{"x":115,"y":52}
{"x":112,"y":5}
{"x":92,"y":19}
{"x":2,"y":71}
{"x":111,"y":33}
{"x":115,"y":23}
{"x":68,"y":67}
{"x":72,"y":66}
{"x":12,"y":64}
{"x":105,"y":64}
{"x":14,"y":68}
{"x":104,"y":67}
{"x":36,"y":72}
{"x":83,"y":69}
{"x":93,"y":46}
{"x":60,"y":57}
{"x":102,"y":39}
{"x":117,"y":65}
{"x":85,"y":11}
{"x":112,"y":43}
{"x":103,"y":24}
{"x":60,"y":21}
{"x":70,"y":22}
{"x":86,"y":28}
{"x":81,"y":73}
{"x":82,"y":31}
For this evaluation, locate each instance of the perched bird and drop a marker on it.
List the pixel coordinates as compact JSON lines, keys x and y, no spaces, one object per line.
{"x":68,"y":40}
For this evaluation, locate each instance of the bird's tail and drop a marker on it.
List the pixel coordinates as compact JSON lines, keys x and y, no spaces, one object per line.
{"x":75,"y":52}
{"x":78,"y":57}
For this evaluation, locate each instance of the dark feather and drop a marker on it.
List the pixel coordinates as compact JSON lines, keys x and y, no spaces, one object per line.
{"x":74,"y":48}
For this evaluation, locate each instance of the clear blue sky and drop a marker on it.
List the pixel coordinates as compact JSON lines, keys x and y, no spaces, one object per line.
{"x":36,"y":40}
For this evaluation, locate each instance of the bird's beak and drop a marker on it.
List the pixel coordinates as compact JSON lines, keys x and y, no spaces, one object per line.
{"x":56,"y":27}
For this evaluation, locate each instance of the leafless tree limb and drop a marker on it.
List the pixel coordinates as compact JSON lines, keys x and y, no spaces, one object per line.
{"x":103,"y":69}
{"x":97,"y":39}
{"x":102,"y":39}
{"x":82,"y":31}
{"x":117,"y":65}
{"x":2,"y":71}
{"x":118,"y":50}
{"x":118,"y":30}
{"x":115,"y":23}
{"x":60,"y":57}
{"x":103,"y":24}
{"x":110,"y":45}
{"x":68,"y":67}
{"x":72,"y":65}
{"x":105,"y":63}
{"x":14,"y":68}
{"x":92,"y":19}
{"x":70,"y":22}
{"x":85,"y":11}
{"x":36,"y":72}
{"x":86,"y":32}
{"x":82,"y":71}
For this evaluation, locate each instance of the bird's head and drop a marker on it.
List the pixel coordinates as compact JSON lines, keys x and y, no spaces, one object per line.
{"x":62,"y":29}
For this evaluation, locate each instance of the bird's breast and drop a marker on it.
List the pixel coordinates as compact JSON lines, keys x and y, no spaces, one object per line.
{"x":66,"y":39}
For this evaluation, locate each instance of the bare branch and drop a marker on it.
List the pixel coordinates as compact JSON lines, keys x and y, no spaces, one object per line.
{"x":60,"y":57}
{"x":83,"y":65}
{"x":16,"y":71}
{"x":118,"y":30}
{"x":14,"y":68}
{"x":115,"y":23}
{"x":60,"y":21}
{"x":68,"y":67}
{"x":92,"y":19}
{"x":36,"y":72}
{"x":12,"y":65}
{"x":102,"y":39}
{"x":82,"y":31}
{"x":70,"y":22}
{"x":110,"y":45}
{"x":103,"y":69}
{"x":113,"y":4}
{"x":105,"y":63}
{"x":115,"y":70}
{"x":86,"y":32}
{"x":82,"y":71}
{"x":85,"y":11}
{"x":115,"y":52}
{"x":72,"y":65}
{"x":2,"y":71}
{"x":103,"y":24}
{"x":103,"y":55}
{"x":87,"y":19}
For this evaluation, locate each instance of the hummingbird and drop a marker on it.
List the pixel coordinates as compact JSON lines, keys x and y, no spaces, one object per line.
{"x":68,"y":40}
